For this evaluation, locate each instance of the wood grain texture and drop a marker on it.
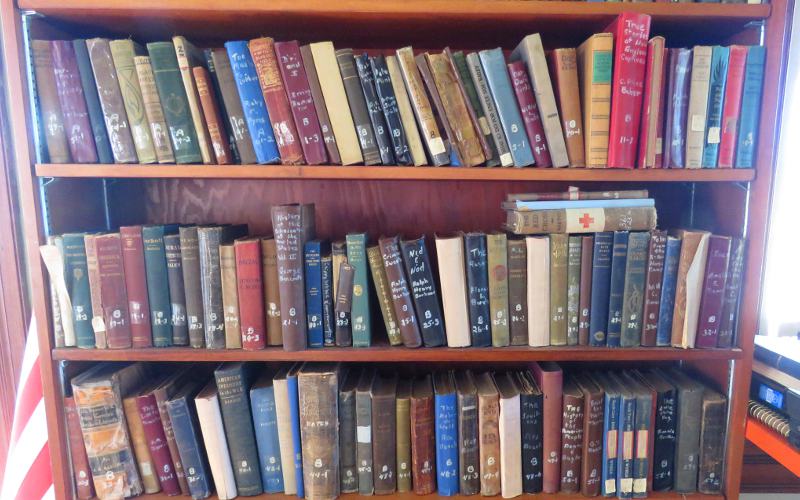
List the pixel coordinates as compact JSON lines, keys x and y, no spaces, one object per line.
{"x":655,"y":495}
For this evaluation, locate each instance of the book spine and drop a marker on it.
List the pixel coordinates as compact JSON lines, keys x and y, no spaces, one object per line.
{"x":51,"y":124}
{"x":439,"y":113}
{"x":344,"y":305}
{"x":530,"y":114}
{"x":716,"y":96}
{"x":177,"y":294}
{"x":751,"y":107}
{"x":571,"y":443}
{"x":113,"y":298}
{"x":585,"y":294}
{"x":253,"y":106}
{"x":139,"y":448}
{"x":651,"y":101}
{"x":687,"y":446}
{"x":558,"y":289}
{"x":190,"y":265}
{"x":230,"y":297}
{"x":610,"y":453}
{"x":318,"y":392}
{"x":634,"y":290}
{"x":478,"y":289}
{"x":155,"y":259}
{"x":384,"y":443}
{"x":677,"y":108}
{"x":73,"y":105}
{"x":659,"y":145}
{"x":185,"y":427}
{"x":403,"y":427}
{"x":358,"y":105}
{"x":574,"y":248}
{"x":250,"y":288}
{"x":583,"y":220}
{"x":468,"y":454}
{"x":161,"y":395}
{"x":446,"y":424}
{"x":730,"y":303}
{"x":328,"y":315}
{"x":301,"y":101}
{"x":157,"y":443}
{"x":93,"y":273}
{"x":153,"y":110}
{"x":664,"y":445}
{"x":517,"y":291}
{"x":93,"y":107}
{"x":361,"y":307}
{"x":76,"y":270}
{"x":213,"y":117}
{"x":376,"y":117}
{"x":384,"y":295}
{"x":668,"y":286}
{"x":538,"y":293}
{"x":400,"y":292}
{"x":423,"y":290}
{"x":733,"y":105}
{"x":625,"y":445}
{"x":287,"y":223}
{"x":652,"y":288}
{"x":423,"y":445}
{"x":616,"y":291}
{"x":187,"y":57}
{"x":532,"y":428}
{"x":416,"y":152}
{"x":319,"y":105}
{"x":479,"y":120}
{"x":84,"y":489}
{"x":489,"y":109}
{"x":592,"y":459}
{"x":348,"y":474}
{"x":232,"y":104}
{"x":698,"y":109}
{"x":565,"y":74}
{"x":550,"y":383}
{"x":713,"y":297}
{"x":265,"y":421}
{"x":61,"y":324}
{"x":642,"y":454}
{"x":595,"y":59}
{"x":497,"y":271}
{"x":211,"y":286}
{"x":364,"y":442}
{"x":216,"y":92}
{"x":272,"y":296}
{"x":313,"y":270}
{"x":712,"y":446}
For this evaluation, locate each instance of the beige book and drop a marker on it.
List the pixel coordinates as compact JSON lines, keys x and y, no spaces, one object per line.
{"x":188,"y":56}
{"x":488,"y":425}
{"x":652,"y":147}
{"x":510,"y":436}
{"x":285,"y":438}
{"x":689,"y":286}
{"x":213,"y":430}
{"x":698,"y":105}
{"x":330,"y":80}
{"x":153,"y":110}
{"x":338,"y":255}
{"x":406,"y":112}
{"x":595,"y":57}
{"x":538,"y":290}
{"x":453,"y":284}
{"x":531,"y":51}
{"x":272,"y":296}
{"x":230,"y":297}
{"x":140,"y":448}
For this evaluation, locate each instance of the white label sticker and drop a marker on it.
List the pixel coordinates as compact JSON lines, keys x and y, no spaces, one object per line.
{"x":364,"y":434}
{"x":484,"y":124}
{"x":611,"y":486}
{"x":506,"y":159}
{"x":585,"y":220}
{"x":713,"y":135}
{"x":640,"y":485}
{"x":698,"y":123}
{"x":626,"y":485}
{"x":98,"y":324}
{"x":436,"y":146}
{"x":147,"y":468}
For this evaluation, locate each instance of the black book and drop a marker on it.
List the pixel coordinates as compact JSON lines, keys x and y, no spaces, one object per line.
{"x":364,"y":431}
{"x":478,"y":289}
{"x":376,"y":117}
{"x":233,"y":384}
{"x":223,"y":110}
{"x":186,"y":429}
{"x":616,"y":293}
{"x":348,"y":474}
{"x":687,"y":436}
{"x":177,"y":293}
{"x":665,"y":429}
{"x":423,"y":289}
{"x":388,"y":101}
{"x":344,"y":305}
{"x":468,"y":455}
{"x":601,"y":274}
{"x":532,"y":423}
{"x":358,"y":107}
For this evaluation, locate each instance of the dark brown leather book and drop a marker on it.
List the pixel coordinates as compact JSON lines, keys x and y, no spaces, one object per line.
{"x":348,"y":474}
{"x":344,"y":304}
{"x":549,"y":377}
{"x":592,"y":453}
{"x":468,"y":434}
{"x":652,"y":286}
{"x":319,"y":105}
{"x":564,"y":68}
{"x":318,"y":389}
{"x":713,"y":296}
{"x":400,"y":291}
{"x":712,"y":443}
{"x":136,"y":285}
{"x":272,"y":296}
{"x":364,"y":431}
{"x":403,"y":430}
{"x":358,"y":106}
{"x":113,"y":296}
{"x":423,"y":437}
{"x":190,"y":265}
{"x":84,"y":488}
{"x":437,"y":107}
{"x":177,"y":293}
{"x":50,"y":110}
{"x":571,"y":437}
{"x":384,"y":442}
{"x":211,"y":112}
{"x":517,"y":291}
{"x":489,"y":433}
{"x":250,"y":284}
{"x":585,"y":300}
{"x":233,"y":106}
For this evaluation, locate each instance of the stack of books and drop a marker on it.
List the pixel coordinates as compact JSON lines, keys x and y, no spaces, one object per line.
{"x":316,"y":430}
{"x":264,"y":102}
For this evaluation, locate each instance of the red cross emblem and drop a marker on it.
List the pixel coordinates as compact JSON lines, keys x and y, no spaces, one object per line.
{"x":586,"y":221}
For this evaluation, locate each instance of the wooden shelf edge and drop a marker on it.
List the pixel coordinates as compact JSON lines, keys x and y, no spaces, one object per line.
{"x":391,"y":173}
{"x":653,"y":495}
{"x":774,"y":445}
{"x":400,"y":354}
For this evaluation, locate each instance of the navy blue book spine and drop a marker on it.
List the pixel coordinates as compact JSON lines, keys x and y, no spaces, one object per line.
{"x":478,"y":289}
{"x":446,"y":422}
{"x":627,"y":420}
{"x":99,"y":131}
{"x":601,"y":275}
{"x":193,"y":458}
{"x":668,"y":284}
{"x":313,"y":268}
{"x":616,"y":290}
{"x":610,"y":429}
{"x":294,"y":414}
{"x":328,"y":317}
{"x":265,"y":421}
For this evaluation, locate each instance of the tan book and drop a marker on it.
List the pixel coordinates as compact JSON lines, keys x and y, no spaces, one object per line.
{"x":188,"y":57}
{"x":453,"y":284}
{"x":338,"y":255}
{"x":538,"y":290}
{"x":689,"y":286}
{"x":510,"y":428}
{"x":318,"y":390}
{"x":93,"y":273}
{"x":330,"y":80}
{"x":122,"y":53}
{"x":406,"y":113}
{"x":558,"y":288}
{"x":272,"y":296}
{"x":531,"y":51}
{"x":489,"y":433}
{"x":565,"y":73}
{"x":230,"y":296}
{"x":384,"y":294}
{"x":140,"y":448}
{"x":698,"y":105}
{"x":152,"y":108}
{"x":216,"y":444}
{"x":464,"y":135}
{"x":653,"y":144}
{"x":497,"y":266}
{"x":434,"y":142}
{"x":595,"y":57}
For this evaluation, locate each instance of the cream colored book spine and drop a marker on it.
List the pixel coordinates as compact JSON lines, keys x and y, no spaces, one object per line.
{"x":538,"y":290}
{"x":285,"y":439}
{"x":185,"y":51}
{"x":595,"y":57}
{"x":689,"y":287}
{"x":698,"y":105}
{"x":406,"y":113}
{"x":510,"y":438}
{"x":216,"y":444}
{"x":453,"y":284}
{"x":153,"y":110}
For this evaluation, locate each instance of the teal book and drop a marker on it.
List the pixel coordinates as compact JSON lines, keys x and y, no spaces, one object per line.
{"x":155,"y":262}
{"x":751,"y":107}
{"x":633,"y":292}
{"x":716,"y":96}
{"x":76,"y":272}
{"x":361,"y":320}
{"x":174,"y":102}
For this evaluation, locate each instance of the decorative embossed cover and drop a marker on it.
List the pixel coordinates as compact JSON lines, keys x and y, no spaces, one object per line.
{"x":153,"y":110}
{"x":136,"y":285}
{"x":318,"y":388}
{"x":211,"y":112}
{"x":73,"y":105}
{"x":530,"y":113}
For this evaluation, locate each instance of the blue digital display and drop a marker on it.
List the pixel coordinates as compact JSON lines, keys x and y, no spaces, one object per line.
{"x":770,"y":396}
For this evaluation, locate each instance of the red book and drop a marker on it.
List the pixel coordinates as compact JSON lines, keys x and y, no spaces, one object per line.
{"x":530,"y":113}
{"x":157,"y":443}
{"x":136,"y":285}
{"x":84,"y":488}
{"x":719,"y":253}
{"x":280,"y":113}
{"x":113,"y":298}
{"x":651,"y":102}
{"x":550,"y":378}
{"x":732,"y":106}
{"x":250,"y":286}
{"x":305,"y":114}
{"x":631,"y":31}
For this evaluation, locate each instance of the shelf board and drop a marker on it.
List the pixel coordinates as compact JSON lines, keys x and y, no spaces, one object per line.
{"x":384,"y":354}
{"x":653,"y":495}
{"x":773,"y":444}
{"x":393,"y":173}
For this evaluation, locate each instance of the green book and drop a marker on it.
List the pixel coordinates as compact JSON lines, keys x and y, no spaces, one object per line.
{"x":122,"y":53}
{"x":77,"y":279}
{"x":633,"y":296}
{"x":573,"y":288}
{"x":173,"y":99}
{"x":558,"y":289}
{"x":497,"y":260}
{"x":460,"y":62}
{"x":155,"y":263}
{"x":360,"y":310}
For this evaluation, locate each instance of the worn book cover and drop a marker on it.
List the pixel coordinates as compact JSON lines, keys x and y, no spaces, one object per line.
{"x":318,"y":387}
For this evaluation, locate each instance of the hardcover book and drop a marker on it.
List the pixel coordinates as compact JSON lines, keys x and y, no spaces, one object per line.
{"x":489,"y":109}
{"x":155,"y":259}
{"x":453,"y":280}
{"x":177,"y":293}
{"x":601,"y":285}
{"x":654,"y":277}
{"x":344,"y":305}
{"x":510,"y":436}
{"x":272,"y":296}
{"x":668,"y":288}
{"x":140,"y":446}
{"x":318,"y":388}
{"x":712,"y":442}
{"x":234,"y":111}
{"x":549,"y":378}
{"x":468,"y":454}
{"x":489,"y":433}
{"x":649,"y":146}
{"x":530,"y":401}
{"x":732,"y":107}
{"x":572,"y":440}
{"x":113,"y":297}
{"x":558,"y":288}
{"x":716,"y":272}
{"x":358,"y":106}
{"x":423,"y":290}
{"x":530,"y":114}
{"x":250,"y":292}
{"x":517,"y":291}
{"x":616,"y":290}
{"x":364,"y":457}
{"x":77,"y":281}
{"x":497,"y":270}
{"x":157,"y":443}
{"x":574,"y":248}
{"x":375,"y":110}
{"x":477,"y":289}
{"x":402,"y":301}
{"x":751,"y":107}
{"x":230,"y":296}
{"x":312,"y":256}
{"x":190,"y":265}
{"x":186,"y":429}
{"x":319,"y":105}
{"x":689,"y":286}
{"x":730,"y":303}
{"x":423,"y":436}
{"x":403,"y":429}
{"x":153,"y":110}
{"x":716,"y":95}
{"x":215,"y":442}
{"x":383,"y":292}
{"x":585,"y":295}
{"x":384,"y":443}
{"x":410,"y":129}
{"x":538,"y":290}
{"x":458,"y":63}
{"x":634,"y":289}
{"x":218,"y":136}
{"x":680,"y":70}
{"x":93,"y":107}
{"x":595,"y":58}
{"x":287,"y":410}
{"x":698,"y":105}
{"x":446,"y":424}
{"x":389,"y":107}
{"x":564,"y":63}
{"x":592,"y":451}
{"x":361,"y":318}
{"x":348,"y":475}
{"x":189,"y":57}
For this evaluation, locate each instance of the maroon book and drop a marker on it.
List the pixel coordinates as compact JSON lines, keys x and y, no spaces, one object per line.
{"x":652,"y":286}
{"x":136,"y":285}
{"x":157,"y":443}
{"x":250,"y":286}
{"x":719,"y":252}
{"x":113,"y":298}
{"x":73,"y":105}
{"x":530,"y":113}
{"x":84,"y":488}
{"x":301,"y":101}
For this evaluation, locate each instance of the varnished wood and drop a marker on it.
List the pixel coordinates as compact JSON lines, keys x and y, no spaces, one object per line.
{"x":656,"y":495}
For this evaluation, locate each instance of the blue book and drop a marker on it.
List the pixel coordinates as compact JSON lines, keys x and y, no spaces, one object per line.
{"x":253,"y":105}
{"x":186,"y":430}
{"x":494,"y":65}
{"x":616,"y":289}
{"x":446,"y":423}
{"x":328,"y":318}
{"x":265,"y":421}
{"x":601,"y":275}
{"x":294,"y":414}
{"x":313,"y":269}
{"x":751,"y":107}
{"x":610,"y":425}
{"x":559,"y":204}
{"x":454,"y":157}
{"x":716,"y":96}
{"x":642,"y":429}
{"x":625,"y":440}
{"x":669,"y":281}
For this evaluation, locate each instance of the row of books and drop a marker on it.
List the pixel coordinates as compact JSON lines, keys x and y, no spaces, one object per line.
{"x":316,"y":430}
{"x":277,"y":102}
{"x":213,"y":287}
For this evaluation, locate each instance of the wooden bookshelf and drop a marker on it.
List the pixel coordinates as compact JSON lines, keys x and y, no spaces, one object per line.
{"x":727,"y":201}
{"x":656,"y":495}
